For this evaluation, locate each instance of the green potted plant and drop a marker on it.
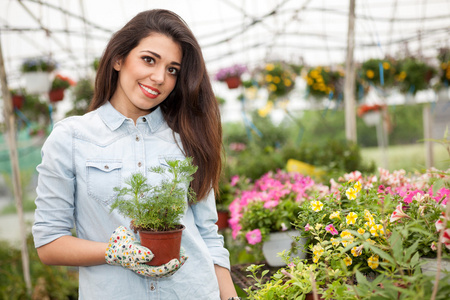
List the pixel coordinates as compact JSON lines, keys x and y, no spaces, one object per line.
{"x":156,"y":210}
{"x":414,"y":75}
{"x":36,"y":72}
{"x":59,"y":85}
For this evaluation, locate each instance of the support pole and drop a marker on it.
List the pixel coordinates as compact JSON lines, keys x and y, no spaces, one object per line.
{"x":14,"y":158}
{"x":349,"y":88}
{"x":427,"y":132}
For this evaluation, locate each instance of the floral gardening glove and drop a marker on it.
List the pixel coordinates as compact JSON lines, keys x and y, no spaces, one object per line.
{"x":125,"y":251}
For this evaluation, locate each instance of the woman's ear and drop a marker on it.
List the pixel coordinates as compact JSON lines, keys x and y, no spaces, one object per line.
{"x":117,"y":64}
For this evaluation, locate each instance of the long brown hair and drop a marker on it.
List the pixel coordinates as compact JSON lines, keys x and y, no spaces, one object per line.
{"x":191,"y":109}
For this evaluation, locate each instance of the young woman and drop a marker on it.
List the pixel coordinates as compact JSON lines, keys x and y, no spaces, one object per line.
{"x":153,"y":101}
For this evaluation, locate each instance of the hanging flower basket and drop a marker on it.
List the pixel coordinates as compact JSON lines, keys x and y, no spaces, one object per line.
{"x":233,"y":82}
{"x":372,"y":118}
{"x":56,"y":95}
{"x":37,"y":82}
{"x":231,"y":75}
{"x":371,"y":114}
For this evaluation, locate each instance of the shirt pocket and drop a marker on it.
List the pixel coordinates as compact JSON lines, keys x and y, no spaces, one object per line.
{"x":102,"y":177}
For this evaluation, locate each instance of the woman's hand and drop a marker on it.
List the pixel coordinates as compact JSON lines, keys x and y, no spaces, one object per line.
{"x":125,"y":251}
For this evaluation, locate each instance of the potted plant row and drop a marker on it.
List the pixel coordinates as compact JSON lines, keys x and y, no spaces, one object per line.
{"x":155,"y":211}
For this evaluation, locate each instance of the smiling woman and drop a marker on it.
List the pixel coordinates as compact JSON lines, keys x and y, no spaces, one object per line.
{"x":147,"y":75}
{"x":153,"y":103}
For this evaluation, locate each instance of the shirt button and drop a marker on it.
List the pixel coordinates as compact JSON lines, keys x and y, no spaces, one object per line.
{"x":106,"y":167}
{"x":152,"y":287}
{"x":137,"y":139}
{"x":144,"y":119}
{"x":139,"y":164}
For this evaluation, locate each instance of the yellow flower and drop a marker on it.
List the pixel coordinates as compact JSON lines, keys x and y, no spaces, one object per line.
{"x":270,"y":67}
{"x":315,"y":259}
{"x":272,"y":87}
{"x":357,"y":186}
{"x":373,"y":262}
{"x":348,"y":261}
{"x":356,"y":251}
{"x":314,"y":74}
{"x":361,"y":231}
{"x":269,"y":78}
{"x":316,"y":206}
{"x":318,"y":226}
{"x":351,"y":193}
{"x":402,"y":75}
{"x":309,"y":81}
{"x":276,"y":79}
{"x":351,"y":218}
{"x":318,"y":250}
{"x":346,"y":242}
{"x":370,"y":74}
{"x":444,"y":66}
{"x":334,"y":242}
{"x":386,"y":65}
{"x":336,"y":214}
{"x":370,"y":241}
{"x":346,"y":234}
{"x":263,"y":112}
{"x":367,"y":215}
{"x":377,"y":230}
{"x":287,"y":82}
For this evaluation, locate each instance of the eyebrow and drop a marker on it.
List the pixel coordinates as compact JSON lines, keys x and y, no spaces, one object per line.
{"x":159,"y":57}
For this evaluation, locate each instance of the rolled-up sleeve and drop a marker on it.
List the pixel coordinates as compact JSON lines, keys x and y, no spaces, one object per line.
{"x":205,"y":215}
{"x":54,"y":214}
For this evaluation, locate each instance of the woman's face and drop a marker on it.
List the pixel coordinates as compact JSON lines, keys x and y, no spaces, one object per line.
{"x":147,"y":75}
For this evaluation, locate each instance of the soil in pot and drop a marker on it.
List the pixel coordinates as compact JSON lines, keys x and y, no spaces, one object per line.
{"x":165,"y":245}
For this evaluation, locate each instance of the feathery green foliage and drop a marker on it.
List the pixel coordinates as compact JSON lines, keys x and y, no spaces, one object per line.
{"x":159,"y":207}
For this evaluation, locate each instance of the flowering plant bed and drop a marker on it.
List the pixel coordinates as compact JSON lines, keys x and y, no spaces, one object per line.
{"x":373,"y":226}
{"x":271,"y":204}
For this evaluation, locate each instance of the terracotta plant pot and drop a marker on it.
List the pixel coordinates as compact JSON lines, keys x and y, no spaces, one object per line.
{"x":165,"y":245}
{"x":56,"y":95}
{"x":17,"y":101}
{"x":233,"y":82}
{"x":222,"y":221}
{"x":310,"y":296}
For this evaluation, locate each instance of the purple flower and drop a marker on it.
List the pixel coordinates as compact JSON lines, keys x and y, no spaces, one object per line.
{"x":235,"y":70}
{"x":254,"y":236}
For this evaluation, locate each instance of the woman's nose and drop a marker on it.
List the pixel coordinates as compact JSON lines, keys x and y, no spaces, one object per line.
{"x":157,"y":75}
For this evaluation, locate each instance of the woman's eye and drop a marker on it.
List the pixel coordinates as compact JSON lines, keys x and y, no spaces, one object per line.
{"x":173,"y":71}
{"x":148,"y":59}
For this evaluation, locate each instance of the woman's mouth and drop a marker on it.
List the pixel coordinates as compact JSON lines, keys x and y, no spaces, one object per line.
{"x":149,"y":91}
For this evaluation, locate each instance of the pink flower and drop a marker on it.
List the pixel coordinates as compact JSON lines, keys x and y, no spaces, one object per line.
{"x":234,"y":180}
{"x":439,"y":225}
{"x":398,"y":214}
{"x":283,"y":227}
{"x":270,"y":204}
{"x":330,"y":228}
{"x":253,"y":237}
{"x":307,"y":227}
{"x":446,"y":238}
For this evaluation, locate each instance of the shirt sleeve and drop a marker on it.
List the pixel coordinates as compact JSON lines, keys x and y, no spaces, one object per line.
{"x":54,"y":214}
{"x":205,"y":215}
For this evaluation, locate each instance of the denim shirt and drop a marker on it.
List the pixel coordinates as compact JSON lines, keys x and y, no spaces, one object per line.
{"x":83,"y":159}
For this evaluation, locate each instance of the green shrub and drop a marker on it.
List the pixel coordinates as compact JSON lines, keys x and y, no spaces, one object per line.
{"x":49,"y":282}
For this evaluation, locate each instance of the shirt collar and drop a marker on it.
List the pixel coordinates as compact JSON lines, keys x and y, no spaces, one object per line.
{"x":114,"y":119}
